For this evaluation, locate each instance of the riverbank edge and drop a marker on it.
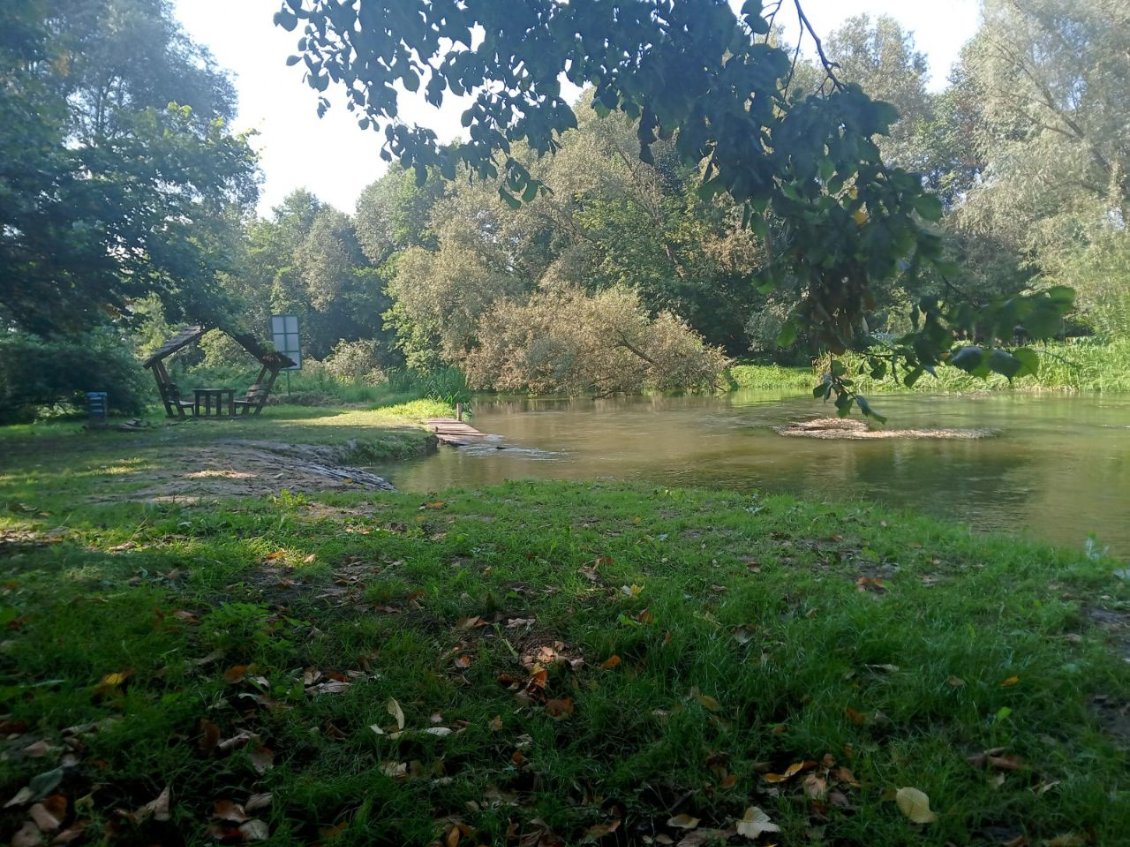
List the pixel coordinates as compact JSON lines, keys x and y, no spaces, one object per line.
{"x":1064,"y":368}
{"x":591,"y":656}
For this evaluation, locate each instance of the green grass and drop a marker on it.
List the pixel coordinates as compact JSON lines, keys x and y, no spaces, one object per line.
{"x":772,"y":377}
{"x":603,"y":655}
{"x":1081,"y":365}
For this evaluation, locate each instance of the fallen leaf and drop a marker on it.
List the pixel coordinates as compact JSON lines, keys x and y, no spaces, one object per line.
{"x":915,"y":805}
{"x":754,"y":823}
{"x":496,"y":723}
{"x":683,"y":822}
{"x":228,"y":810}
{"x":255,"y":830}
{"x":845,"y":776}
{"x":262,"y":758}
{"x":37,"y":788}
{"x":611,"y":662}
{"x":815,"y":787}
{"x":1006,"y":762}
{"x":791,"y":771}
{"x":955,"y":682}
{"x":855,"y":716}
{"x":27,"y":836}
{"x":393,"y":708}
{"x":463,"y":662}
{"x":707,"y":701}
{"x":1011,"y":681}
{"x":258,"y":801}
{"x":209,"y":736}
{"x":598,"y":831}
{"x":559,"y":708}
{"x":700,"y":837}
{"x":871,"y":583}
{"x":39,"y":750}
{"x":235,"y":674}
{"x":396,"y":770}
{"x":1069,"y":839}
{"x":44,"y":820}
{"x":158,"y":808}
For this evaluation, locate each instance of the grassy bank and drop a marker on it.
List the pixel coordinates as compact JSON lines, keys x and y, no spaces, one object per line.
{"x":1079,"y":366}
{"x":547,"y":664}
{"x":771,"y":378}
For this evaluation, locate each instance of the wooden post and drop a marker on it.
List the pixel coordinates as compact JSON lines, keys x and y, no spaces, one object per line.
{"x":458,"y":411}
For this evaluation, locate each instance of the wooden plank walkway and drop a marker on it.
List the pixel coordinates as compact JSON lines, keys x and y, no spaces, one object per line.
{"x":456,"y":433}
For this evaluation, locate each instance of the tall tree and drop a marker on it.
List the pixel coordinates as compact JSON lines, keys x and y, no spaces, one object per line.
{"x":695,"y":72}
{"x":1051,"y":79}
{"x":122,"y":179}
{"x":881,"y":58}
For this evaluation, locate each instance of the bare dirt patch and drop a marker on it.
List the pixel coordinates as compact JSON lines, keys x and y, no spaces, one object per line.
{"x":252,"y":469}
{"x":845,"y":428}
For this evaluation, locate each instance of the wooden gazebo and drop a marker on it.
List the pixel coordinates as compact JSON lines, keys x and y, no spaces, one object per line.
{"x":252,"y":402}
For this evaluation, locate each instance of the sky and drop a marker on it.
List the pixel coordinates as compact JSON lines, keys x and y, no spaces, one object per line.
{"x":336,"y":159}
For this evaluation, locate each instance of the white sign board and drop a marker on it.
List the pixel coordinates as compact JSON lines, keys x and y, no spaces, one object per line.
{"x":284,"y":335}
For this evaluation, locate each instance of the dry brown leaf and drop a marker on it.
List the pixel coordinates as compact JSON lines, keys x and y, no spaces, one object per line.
{"x":1011,"y":681}
{"x":791,"y":771}
{"x":683,"y":822}
{"x":611,"y":662}
{"x":235,"y":674}
{"x":463,"y":662}
{"x":707,"y":701}
{"x":262,"y":758}
{"x":915,"y":805}
{"x":598,"y":831}
{"x":209,"y":736}
{"x":559,"y":708}
{"x":855,"y":716}
{"x":229,"y":810}
{"x":955,"y":682}
{"x":495,"y":723}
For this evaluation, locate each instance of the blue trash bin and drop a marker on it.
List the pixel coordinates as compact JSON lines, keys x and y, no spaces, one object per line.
{"x":97,"y":407}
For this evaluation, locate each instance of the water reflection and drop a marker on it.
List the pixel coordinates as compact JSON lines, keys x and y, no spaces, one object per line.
{"x":1060,"y":469}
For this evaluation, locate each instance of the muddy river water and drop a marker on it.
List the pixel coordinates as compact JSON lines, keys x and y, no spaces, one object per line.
{"x":1059,"y":469}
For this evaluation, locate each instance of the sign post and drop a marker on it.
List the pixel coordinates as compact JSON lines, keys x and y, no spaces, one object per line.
{"x":284,"y":335}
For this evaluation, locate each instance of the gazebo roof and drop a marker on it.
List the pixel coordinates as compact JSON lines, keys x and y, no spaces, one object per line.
{"x":181,"y":339}
{"x":270,"y":358}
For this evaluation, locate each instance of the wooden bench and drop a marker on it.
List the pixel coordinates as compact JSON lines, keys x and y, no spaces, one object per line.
{"x":255,"y":399}
{"x":170,"y":396}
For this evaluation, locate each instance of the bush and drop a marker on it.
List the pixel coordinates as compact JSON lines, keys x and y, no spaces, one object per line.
{"x":38,"y":373}
{"x":355,"y":361}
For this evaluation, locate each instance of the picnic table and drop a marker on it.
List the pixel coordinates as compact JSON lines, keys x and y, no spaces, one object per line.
{"x":221,"y":400}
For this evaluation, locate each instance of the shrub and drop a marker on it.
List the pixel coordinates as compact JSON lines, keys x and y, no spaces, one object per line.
{"x":37,"y":373}
{"x":355,"y":361}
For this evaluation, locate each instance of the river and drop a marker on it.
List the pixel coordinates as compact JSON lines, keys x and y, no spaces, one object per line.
{"x":1058,"y":471}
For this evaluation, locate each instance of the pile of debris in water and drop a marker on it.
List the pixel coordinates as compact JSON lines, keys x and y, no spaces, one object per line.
{"x":853,"y":428}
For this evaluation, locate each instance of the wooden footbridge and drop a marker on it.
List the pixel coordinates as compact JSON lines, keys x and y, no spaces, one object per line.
{"x":456,"y":433}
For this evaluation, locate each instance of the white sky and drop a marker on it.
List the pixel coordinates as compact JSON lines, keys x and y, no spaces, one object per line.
{"x":336,"y":160}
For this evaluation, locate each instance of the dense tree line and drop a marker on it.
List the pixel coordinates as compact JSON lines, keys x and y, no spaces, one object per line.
{"x":615,"y":263}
